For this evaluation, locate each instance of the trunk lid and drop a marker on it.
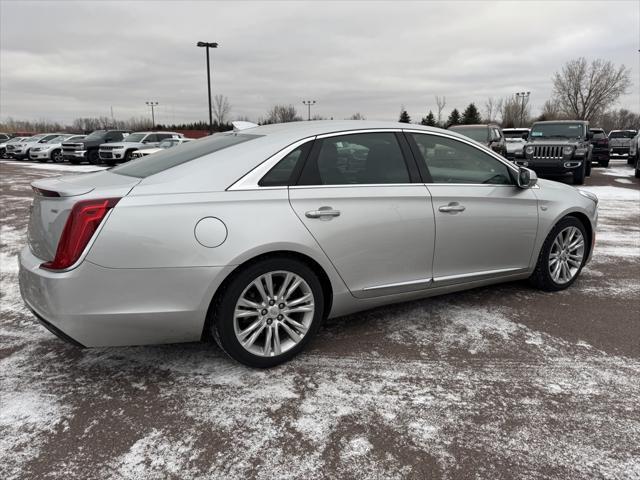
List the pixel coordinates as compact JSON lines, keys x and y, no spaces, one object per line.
{"x":54,"y":198}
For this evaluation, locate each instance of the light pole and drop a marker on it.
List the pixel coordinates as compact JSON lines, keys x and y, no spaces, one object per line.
{"x":524,"y":97}
{"x":209,"y":45}
{"x":308,"y":103}
{"x":153,"y":114}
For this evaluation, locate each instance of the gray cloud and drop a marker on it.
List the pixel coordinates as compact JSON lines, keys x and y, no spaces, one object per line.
{"x":60,"y":60}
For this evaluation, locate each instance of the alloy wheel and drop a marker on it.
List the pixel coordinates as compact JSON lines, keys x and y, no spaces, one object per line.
{"x":273,"y":313}
{"x":566,"y":255}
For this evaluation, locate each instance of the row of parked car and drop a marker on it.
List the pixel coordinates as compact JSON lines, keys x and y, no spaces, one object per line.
{"x":100,"y":146}
{"x":559,"y":146}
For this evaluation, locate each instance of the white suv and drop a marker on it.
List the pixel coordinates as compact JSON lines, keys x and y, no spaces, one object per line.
{"x":112,"y":153}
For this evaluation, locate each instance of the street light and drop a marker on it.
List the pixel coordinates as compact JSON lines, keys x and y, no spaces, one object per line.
{"x":308,"y":103}
{"x":153,"y":116}
{"x":524,"y":96}
{"x":208,"y":45}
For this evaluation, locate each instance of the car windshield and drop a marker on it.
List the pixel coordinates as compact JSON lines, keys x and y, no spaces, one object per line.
{"x":35,"y":138}
{"x":479,"y":134}
{"x":16,"y":140}
{"x":97,"y":135}
{"x":75,"y":139}
{"x":58,"y":139}
{"x":623,"y":134}
{"x":135,"y":137}
{"x":169,"y":143}
{"x":557,"y":130}
{"x":598,"y":134}
{"x":161,"y":161}
{"x":514,"y":135}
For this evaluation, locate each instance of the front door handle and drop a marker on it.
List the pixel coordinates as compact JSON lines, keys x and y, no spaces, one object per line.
{"x":325,"y":213}
{"x":453,"y":207}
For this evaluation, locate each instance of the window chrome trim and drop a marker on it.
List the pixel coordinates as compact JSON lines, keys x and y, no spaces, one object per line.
{"x":471,"y":143}
{"x":358,"y":185}
{"x":356,"y":132}
{"x":250,"y":180}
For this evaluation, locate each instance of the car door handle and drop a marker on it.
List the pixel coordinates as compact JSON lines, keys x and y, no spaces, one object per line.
{"x":453,"y":207}
{"x":323,"y":212}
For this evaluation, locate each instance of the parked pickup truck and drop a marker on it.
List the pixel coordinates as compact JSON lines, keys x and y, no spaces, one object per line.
{"x":113,"y":153}
{"x":619,"y":142}
{"x":600,"y":142}
{"x":558,"y":147}
{"x":87,"y":148}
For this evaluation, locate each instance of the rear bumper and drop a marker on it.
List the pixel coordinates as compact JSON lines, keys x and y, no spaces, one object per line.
{"x":95,"y":306}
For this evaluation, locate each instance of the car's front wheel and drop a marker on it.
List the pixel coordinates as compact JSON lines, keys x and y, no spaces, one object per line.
{"x":579,"y":174}
{"x":56,"y":156}
{"x":268,"y":312}
{"x":562,"y":256}
{"x":604,"y":163}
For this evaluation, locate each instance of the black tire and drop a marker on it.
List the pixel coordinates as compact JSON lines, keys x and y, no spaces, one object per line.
{"x":94,"y":157}
{"x":3,"y":153}
{"x":630,"y":160}
{"x":579,"y":174}
{"x":541,"y":276}
{"x":56,"y":156}
{"x":129,"y":155}
{"x":604,"y":163}
{"x":221,"y":320}
{"x":588,"y":172}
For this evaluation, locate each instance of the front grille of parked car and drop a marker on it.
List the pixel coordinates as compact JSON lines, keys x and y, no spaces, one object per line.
{"x":547,"y":151}
{"x":108,"y":147}
{"x":71,"y":146}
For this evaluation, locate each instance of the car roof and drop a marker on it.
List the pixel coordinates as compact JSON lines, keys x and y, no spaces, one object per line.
{"x":560,"y":121}
{"x":474,"y":125}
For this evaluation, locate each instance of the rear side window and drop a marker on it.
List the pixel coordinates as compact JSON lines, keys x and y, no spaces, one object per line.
{"x":364,"y":158}
{"x":151,"y":164}
{"x":281,"y":174}
{"x":452,"y":161}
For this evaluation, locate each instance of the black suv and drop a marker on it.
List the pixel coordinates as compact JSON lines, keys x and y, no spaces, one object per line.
{"x":87,"y":149}
{"x":490,"y":135}
{"x":557,"y":147}
{"x":600,"y":142}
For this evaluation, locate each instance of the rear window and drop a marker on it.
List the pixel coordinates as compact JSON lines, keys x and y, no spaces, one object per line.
{"x":598,"y":134}
{"x":151,"y":164}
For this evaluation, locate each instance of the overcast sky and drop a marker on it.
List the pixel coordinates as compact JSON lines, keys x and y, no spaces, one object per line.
{"x":60,"y":59}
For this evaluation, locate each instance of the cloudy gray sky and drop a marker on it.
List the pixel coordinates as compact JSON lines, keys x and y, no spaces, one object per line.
{"x":64,"y":59}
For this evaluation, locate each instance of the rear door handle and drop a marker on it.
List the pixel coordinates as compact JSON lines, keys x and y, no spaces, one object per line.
{"x":453,"y":207}
{"x":325,"y":213}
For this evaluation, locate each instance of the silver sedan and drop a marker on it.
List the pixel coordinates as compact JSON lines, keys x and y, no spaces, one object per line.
{"x":252,"y":237}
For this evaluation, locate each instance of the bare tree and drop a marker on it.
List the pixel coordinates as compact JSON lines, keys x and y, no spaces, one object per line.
{"x":492,"y":107}
{"x":356,"y":116}
{"x":221,"y":108}
{"x":550,"y":111}
{"x":621,"y":119}
{"x":441,"y":102}
{"x":585,"y":90}
{"x":515,"y":112}
{"x":282,"y":114}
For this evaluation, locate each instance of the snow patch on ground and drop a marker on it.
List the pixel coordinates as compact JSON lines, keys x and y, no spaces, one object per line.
{"x":58,"y":167}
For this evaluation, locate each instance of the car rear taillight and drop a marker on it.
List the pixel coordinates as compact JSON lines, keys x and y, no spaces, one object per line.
{"x":83,"y":221}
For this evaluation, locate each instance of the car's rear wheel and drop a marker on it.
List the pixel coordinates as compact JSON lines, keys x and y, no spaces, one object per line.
{"x":268,"y":312}
{"x":56,"y":156}
{"x":604,"y":163}
{"x":562,"y":256}
{"x":588,"y":172}
{"x":579,"y":174}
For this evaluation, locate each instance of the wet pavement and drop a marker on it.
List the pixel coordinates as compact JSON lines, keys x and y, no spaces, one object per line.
{"x":500,"y":382}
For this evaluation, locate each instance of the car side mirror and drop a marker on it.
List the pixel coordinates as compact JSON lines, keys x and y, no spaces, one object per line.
{"x":526,"y":178}
{"x":525,"y":136}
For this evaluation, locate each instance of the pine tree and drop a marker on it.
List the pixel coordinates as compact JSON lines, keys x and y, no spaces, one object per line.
{"x":429,"y":120}
{"x":454,"y":118}
{"x":404,"y":116}
{"x":471,"y":116}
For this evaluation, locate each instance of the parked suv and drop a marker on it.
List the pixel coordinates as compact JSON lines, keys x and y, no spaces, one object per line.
{"x":87,"y":148}
{"x":489,"y":135}
{"x":121,"y":152}
{"x":619,"y":142}
{"x":20,"y":150}
{"x":516,"y":138}
{"x":600,"y":143}
{"x":557,"y":147}
{"x":52,"y":150}
{"x":4,"y":143}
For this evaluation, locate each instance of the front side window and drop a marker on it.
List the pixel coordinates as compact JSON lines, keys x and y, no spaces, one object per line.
{"x":452,"y":161}
{"x":136,"y":137}
{"x":358,"y":159}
